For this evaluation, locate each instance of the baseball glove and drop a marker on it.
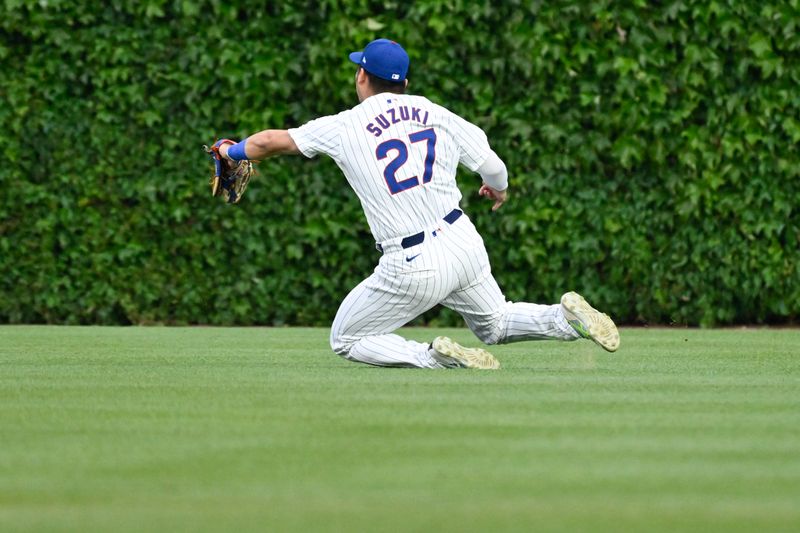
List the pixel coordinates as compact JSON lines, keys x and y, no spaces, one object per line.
{"x":230,"y":178}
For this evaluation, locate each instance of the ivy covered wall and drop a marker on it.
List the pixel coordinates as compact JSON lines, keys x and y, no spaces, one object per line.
{"x":652,"y":150}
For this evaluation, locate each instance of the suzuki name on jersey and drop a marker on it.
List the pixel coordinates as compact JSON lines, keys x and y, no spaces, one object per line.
{"x":395,"y":116}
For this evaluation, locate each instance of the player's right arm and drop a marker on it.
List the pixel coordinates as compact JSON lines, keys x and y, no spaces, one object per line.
{"x":476,"y":154}
{"x":495,"y":180}
{"x":265,"y":144}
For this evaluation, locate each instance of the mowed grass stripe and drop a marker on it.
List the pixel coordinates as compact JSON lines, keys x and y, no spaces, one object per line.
{"x":208,"y":429}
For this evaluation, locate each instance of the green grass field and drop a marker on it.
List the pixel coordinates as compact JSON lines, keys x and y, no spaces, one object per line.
{"x":207,"y":429}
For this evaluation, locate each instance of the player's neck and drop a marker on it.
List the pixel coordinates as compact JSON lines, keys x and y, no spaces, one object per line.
{"x":365,"y":93}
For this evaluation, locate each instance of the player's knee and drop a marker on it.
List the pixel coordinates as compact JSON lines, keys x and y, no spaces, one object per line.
{"x":488,"y":337}
{"x":489,"y":333}
{"x":340,"y":344}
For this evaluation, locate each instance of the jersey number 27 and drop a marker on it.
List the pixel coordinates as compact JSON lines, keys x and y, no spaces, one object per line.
{"x":402,"y":156}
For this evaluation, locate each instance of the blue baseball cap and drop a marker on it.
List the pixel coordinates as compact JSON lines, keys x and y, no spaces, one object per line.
{"x":383,"y":58}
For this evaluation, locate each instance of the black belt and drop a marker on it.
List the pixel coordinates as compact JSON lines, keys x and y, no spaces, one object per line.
{"x":417,"y":238}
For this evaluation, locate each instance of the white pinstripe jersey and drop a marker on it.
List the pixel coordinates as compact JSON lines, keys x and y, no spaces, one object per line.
{"x":400,"y":154}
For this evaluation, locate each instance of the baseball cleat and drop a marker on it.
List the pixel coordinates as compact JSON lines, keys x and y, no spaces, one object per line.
{"x":451,"y":354}
{"x":589,"y":322}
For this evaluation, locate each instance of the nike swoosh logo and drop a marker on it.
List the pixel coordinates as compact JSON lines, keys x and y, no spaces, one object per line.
{"x":409,"y":259}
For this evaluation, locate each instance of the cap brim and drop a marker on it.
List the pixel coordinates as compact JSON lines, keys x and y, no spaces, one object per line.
{"x":355,"y":57}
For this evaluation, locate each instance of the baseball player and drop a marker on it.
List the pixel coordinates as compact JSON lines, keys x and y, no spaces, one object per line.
{"x":399,"y":153}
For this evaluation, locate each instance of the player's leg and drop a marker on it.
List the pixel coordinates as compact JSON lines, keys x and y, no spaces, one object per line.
{"x":495,"y":320}
{"x":406,"y":283}
{"x":379,"y":305}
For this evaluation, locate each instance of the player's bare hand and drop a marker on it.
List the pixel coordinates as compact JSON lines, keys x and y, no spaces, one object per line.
{"x":499,"y":197}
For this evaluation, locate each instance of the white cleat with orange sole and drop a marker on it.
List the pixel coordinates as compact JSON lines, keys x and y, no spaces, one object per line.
{"x":450,"y":354}
{"x":589,"y":322}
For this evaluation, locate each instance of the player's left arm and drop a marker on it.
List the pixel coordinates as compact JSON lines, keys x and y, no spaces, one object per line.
{"x":261,"y":145}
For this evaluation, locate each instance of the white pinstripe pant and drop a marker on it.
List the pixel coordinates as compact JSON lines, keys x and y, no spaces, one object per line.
{"x":450,"y":267}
